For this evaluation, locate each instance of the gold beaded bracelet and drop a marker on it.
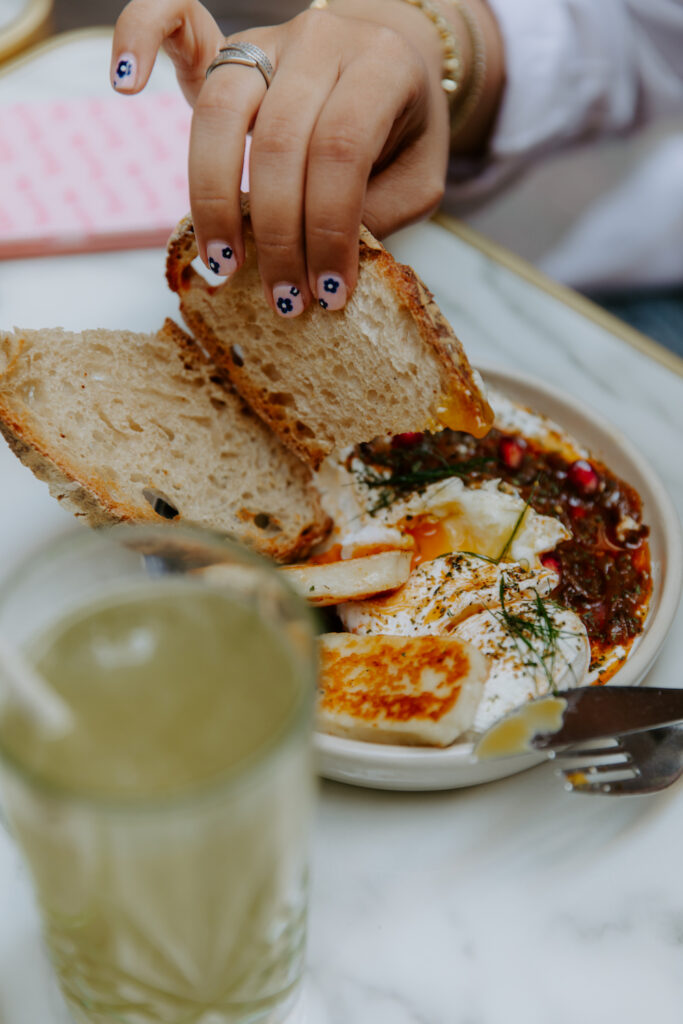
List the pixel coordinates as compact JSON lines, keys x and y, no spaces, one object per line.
{"x":477,"y":74}
{"x":454,"y":73}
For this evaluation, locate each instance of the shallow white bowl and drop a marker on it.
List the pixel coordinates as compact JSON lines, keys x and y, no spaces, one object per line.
{"x":427,"y":768}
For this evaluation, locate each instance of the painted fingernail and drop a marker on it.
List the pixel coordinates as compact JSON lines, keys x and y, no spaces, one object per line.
{"x":221,"y":258}
{"x":288,"y":300}
{"x":125,"y":72}
{"x":331,"y":291}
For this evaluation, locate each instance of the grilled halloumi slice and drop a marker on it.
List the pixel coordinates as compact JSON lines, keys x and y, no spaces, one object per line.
{"x":388,"y":689}
{"x":440,"y":593}
{"x":350,"y":579}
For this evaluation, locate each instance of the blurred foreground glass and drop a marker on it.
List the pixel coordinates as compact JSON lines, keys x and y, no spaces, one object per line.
{"x":156,"y":692}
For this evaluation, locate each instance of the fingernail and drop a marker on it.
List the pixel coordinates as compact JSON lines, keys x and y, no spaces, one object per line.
{"x":125,"y":72}
{"x":221,"y":258}
{"x":288,"y":301}
{"x":331,"y":291}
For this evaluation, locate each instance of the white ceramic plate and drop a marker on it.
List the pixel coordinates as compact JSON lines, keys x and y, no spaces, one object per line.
{"x":382,"y":766}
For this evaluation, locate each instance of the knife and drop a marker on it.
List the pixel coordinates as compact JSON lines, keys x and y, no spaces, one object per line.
{"x":574,"y":716}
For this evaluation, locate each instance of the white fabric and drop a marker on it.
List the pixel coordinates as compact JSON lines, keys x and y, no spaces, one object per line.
{"x":577,"y":70}
{"x":633,"y":236}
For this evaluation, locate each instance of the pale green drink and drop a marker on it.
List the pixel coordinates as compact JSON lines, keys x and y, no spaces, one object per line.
{"x":166,"y":826}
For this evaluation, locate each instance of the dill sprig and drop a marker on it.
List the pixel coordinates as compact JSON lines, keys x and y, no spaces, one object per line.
{"x":540,"y":627}
{"x":406,"y":479}
{"x":518,"y":523}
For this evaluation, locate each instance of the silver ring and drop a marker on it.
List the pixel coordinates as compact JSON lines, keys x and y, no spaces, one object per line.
{"x":248,"y":54}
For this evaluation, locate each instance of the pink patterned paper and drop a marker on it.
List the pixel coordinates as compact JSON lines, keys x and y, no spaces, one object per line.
{"x":92,"y":174}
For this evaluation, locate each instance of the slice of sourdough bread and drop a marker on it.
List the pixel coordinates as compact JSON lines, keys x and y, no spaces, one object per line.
{"x":387,"y":364}
{"x":136,"y":427}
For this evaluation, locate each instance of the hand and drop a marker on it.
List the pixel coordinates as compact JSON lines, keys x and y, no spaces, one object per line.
{"x":354,"y":128}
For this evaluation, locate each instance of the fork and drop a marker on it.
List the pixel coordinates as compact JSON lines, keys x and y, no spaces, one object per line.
{"x":638,"y":762}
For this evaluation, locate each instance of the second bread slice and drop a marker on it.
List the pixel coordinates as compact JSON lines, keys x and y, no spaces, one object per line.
{"x":387,"y":364}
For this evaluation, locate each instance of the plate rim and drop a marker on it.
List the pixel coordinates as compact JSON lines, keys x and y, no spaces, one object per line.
{"x":374,"y":760}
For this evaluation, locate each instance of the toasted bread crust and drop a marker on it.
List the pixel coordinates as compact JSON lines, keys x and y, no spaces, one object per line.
{"x":181,"y":249}
{"x":435,"y":332}
{"x":87,"y":497}
{"x":460,"y":399}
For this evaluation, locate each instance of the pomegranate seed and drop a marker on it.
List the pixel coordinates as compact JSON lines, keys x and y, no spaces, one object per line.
{"x":597,"y":615}
{"x":583,"y":477}
{"x":406,"y":440}
{"x":511,"y":451}
{"x":551,"y":561}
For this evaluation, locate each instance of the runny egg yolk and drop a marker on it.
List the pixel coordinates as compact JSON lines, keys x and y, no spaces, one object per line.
{"x":431,"y":538}
{"x":435,"y":536}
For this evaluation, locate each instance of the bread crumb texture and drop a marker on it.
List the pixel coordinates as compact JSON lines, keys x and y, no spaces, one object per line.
{"x":133,"y":427}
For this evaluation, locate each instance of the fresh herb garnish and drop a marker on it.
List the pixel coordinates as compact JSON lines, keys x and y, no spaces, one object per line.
{"x":540,"y":627}
{"x":518,"y":523}
{"x":409,"y":471}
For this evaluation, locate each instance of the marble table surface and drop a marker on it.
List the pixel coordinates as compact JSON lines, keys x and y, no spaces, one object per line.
{"x":510,"y":903}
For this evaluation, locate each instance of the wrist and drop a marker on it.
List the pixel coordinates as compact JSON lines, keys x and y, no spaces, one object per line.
{"x":475,"y":38}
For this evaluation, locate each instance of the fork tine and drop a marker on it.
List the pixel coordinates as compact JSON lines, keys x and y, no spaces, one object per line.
{"x":590,"y":752}
{"x":582,"y":782}
{"x":595,"y":777}
{"x":644,"y":761}
{"x":592,"y":788}
{"x":624,"y":764}
{"x":619,"y":787}
{"x":646,"y":785}
{"x":621,"y":764}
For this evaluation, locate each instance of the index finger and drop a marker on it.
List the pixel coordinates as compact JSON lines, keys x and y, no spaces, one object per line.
{"x":185,"y":29}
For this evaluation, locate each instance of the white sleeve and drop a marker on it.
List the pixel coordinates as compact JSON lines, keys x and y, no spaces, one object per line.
{"x":577,"y":69}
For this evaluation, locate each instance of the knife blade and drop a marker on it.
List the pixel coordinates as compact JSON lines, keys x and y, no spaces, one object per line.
{"x":574,"y":716}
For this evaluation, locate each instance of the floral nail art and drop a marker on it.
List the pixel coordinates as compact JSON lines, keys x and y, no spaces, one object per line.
{"x":125,"y":72}
{"x":221,"y":258}
{"x":331,"y":291}
{"x":288,"y":301}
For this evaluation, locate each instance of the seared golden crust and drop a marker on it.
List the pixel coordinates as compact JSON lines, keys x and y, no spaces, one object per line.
{"x":393,"y":690}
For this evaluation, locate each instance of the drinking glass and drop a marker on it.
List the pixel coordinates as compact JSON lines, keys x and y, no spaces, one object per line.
{"x":156,"y":695}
